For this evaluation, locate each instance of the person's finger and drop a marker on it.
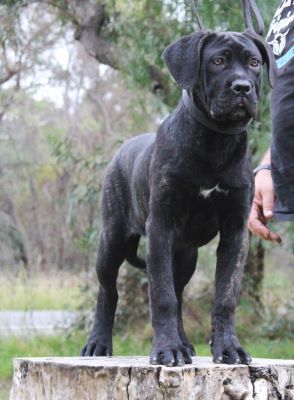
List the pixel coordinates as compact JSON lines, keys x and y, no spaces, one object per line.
{"x":258,"y":228}
{"x":255,"y":218}
{"x":268,"y":202}
{"x":263,"y":232}
{"x":257,"y":225}
{"x":274,"y":237}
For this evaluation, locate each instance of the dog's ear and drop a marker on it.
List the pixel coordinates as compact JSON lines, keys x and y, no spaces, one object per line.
{"x":183,"y":58}
{"x":267,"y":55}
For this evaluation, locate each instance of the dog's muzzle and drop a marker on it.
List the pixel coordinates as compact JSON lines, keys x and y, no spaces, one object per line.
{"x":236,"y":102}
{"x":212,"y":123}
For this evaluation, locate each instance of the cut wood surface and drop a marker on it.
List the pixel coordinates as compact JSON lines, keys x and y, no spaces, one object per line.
{"x":130,"y":378}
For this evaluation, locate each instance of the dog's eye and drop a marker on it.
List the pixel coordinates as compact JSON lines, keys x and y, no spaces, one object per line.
{"x":254,"y":63}
{"x":218,"y":61}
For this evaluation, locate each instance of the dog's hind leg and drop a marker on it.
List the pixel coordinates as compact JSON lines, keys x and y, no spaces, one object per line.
{"x":184,"y":266}
{"x":111,"y":254}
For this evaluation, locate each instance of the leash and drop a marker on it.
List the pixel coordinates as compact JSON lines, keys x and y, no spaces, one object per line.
{"x":248,"y":7}
{"x":208,"y":123}
{"x":194,"y":9}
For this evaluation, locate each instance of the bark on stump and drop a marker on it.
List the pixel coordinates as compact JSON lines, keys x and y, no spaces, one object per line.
{"x":133,"y":378}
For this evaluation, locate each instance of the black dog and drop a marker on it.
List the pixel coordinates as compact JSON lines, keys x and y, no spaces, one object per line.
{"x":181,"y":188}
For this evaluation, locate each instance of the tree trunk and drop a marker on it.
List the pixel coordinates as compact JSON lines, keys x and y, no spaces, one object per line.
{"x":39,"y":234}
{"x":7,"y":205}
{"x":133,"y":378}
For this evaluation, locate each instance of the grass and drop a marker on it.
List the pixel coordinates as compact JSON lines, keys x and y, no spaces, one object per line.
{"x":39,"y":346}
{"x":71,"y":345}
{"x":61,"y":291}
{"x":58,"y":291}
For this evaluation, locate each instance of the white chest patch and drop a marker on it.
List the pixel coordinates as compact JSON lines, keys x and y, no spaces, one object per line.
{"x":208,"y":192}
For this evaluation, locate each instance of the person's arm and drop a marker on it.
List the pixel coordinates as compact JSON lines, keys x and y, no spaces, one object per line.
{"x":263,"y":203}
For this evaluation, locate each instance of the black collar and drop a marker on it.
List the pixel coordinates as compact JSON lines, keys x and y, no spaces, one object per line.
{"x":209,"y":123}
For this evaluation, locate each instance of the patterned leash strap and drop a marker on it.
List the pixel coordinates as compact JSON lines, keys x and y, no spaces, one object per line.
{"x":248,"y":7}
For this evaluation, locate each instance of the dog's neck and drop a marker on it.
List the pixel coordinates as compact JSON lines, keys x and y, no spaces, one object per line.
{"x":209,"y":123}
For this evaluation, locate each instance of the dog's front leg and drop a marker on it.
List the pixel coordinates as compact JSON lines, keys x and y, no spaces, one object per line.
{"x":231,"y":256}
{"x":167,"y":348}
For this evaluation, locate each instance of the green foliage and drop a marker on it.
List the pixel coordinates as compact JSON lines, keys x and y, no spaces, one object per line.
{"x":280,"y":324}
{"x":10,"y":3}
{"x":143,"y":28}
{"x":60,"y":146}
{"x":84,"y":191}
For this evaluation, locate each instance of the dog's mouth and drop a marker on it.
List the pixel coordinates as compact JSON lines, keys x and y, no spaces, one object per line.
{"x":240,"y":111}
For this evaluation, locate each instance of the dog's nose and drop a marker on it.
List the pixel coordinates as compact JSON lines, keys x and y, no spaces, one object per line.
{"x":241,"y":86}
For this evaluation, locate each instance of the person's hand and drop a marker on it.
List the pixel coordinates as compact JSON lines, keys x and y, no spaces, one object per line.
{"x":262,"y":207}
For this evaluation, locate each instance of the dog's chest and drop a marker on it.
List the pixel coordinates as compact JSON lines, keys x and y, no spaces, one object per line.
{"x":196,"y":212}
{"x":207,"y":193}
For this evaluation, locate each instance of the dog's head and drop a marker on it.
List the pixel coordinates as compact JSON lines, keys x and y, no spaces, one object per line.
{"x":223,"y":71}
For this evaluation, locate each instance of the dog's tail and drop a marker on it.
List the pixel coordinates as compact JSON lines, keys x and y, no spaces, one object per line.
{"x":132,"y":256}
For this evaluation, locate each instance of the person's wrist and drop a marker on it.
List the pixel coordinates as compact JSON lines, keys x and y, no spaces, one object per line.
{"x":261,"y":167}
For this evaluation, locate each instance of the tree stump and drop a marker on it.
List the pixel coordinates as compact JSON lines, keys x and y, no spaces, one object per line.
{"x":133,"y":378}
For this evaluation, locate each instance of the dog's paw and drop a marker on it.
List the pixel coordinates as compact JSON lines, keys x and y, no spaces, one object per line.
{"x":227,"y":350}
{"x":190,"y":349}
{"x":170,"y":356}
{"x":93,"y":349}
